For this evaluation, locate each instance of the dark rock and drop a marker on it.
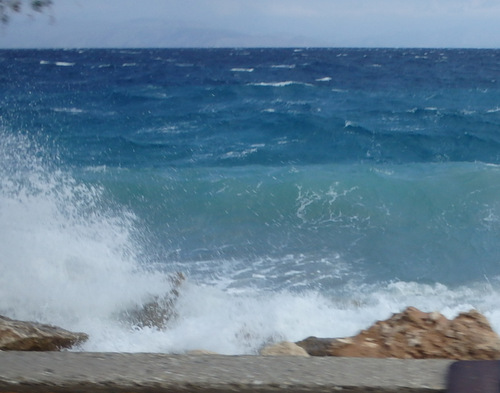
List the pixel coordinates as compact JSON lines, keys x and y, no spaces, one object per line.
{"x":159,"y":310}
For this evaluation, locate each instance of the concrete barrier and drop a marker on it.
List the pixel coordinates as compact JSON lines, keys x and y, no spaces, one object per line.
{"x":122,"y":372}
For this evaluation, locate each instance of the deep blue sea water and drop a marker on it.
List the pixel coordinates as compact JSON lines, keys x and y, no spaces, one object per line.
{"x":301,"y":191}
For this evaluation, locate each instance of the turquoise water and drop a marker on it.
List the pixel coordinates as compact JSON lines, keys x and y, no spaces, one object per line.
{"x":301,"y":192}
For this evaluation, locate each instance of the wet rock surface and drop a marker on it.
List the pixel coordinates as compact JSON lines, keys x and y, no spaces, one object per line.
{"x":32,"y":336}
{"x":159,"y":310}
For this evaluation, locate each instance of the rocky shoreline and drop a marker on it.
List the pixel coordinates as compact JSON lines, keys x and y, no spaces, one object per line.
{"x":410,"y":334}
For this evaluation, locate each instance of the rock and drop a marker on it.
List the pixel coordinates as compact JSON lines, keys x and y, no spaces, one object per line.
{"x":418,"y":335}
{"x":158,"y":311}
{"x":32,"y":336}
{"x":284,"y":348}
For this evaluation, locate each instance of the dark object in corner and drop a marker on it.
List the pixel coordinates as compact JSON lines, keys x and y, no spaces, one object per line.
{"x":474,"y":376}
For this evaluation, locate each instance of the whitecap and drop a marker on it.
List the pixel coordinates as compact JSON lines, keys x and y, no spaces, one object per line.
{"x":286,"y":66}
{"x":167,"y":129}
{"x":280,"y":84}
{"x":64,"y":64}
{"x":69,"y":110}
{"x":242,"y":69}
{"x":97,"y":169}
{"x":238,"y":154}
{"x":325,"y":79}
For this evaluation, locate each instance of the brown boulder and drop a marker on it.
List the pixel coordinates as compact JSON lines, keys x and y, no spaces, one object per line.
{"x":418,"y":335}
{"x":32,"y":336}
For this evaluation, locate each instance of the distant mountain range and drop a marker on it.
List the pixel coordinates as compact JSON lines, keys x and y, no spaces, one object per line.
{"x":138,"y":33}
{"x":157,"y":33}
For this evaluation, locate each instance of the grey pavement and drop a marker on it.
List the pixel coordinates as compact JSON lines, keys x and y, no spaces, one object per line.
{"x":123,"y":372}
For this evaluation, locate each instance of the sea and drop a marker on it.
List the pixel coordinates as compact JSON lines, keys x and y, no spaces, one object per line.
{"x":300,"y":191}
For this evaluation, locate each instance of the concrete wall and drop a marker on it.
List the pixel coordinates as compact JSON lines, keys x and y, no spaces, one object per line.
{"x":118,"y":372}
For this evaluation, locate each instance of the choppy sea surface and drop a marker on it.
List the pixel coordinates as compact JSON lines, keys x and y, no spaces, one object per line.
{"x":300,"y":191}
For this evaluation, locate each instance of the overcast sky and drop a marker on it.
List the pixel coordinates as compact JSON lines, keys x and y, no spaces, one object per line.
{"x":257,"y":23}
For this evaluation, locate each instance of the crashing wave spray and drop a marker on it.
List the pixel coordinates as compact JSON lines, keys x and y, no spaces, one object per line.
{"x":69,"y":259}
{"x":68,"y":255}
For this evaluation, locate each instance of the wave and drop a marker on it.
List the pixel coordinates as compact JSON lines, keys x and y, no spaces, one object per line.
{"x":70,"y":257}
{"x":284,"y":66}
{"x":414,"y":222}
{"x":73,"y":254}
{"x":64,"y":64}
{"x":238,"y":154}
{"x":280,"y":84}
{"x":242,"y":69}
{"x":57,"y":63}
{"x":237,"y":323}
{"x":73,"y":111}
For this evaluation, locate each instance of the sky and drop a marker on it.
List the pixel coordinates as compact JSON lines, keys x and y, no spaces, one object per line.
{"x":257,"y":23}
